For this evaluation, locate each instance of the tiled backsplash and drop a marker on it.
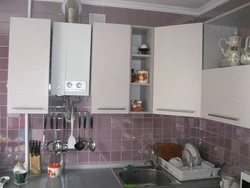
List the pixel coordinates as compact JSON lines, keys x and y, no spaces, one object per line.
{"x":223,"y":143}
{"x":121,"y":137}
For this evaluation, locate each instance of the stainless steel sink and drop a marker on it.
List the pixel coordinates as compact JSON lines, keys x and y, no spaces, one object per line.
{"x":145,"y":177}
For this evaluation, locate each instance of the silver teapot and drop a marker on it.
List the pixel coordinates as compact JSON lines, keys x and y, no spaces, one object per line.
{"x":245,"y":58}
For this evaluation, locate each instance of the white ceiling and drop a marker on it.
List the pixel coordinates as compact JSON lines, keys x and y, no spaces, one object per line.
{"x":190,"y":7}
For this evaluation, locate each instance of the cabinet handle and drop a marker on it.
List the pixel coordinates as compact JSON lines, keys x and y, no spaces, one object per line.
{"x":175,"y":110}
{"x":111,"y":108}
{"x":27,"y":108}
{"x":224,"y":117}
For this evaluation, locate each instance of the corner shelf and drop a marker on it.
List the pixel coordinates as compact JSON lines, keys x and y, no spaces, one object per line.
{"x":139,"y":84}
{"x":142,"y":91}
{"x":141,"y":55}
{"x":223,"y":26}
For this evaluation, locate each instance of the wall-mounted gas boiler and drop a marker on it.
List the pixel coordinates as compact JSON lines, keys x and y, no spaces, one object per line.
{"x":70,"y":66}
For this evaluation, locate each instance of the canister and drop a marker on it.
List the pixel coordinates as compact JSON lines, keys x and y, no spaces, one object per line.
{"x":142,"y":76}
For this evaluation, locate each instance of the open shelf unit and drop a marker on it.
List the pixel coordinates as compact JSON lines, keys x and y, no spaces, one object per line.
{"x":223,"y":26}
{"x":142,"y":91}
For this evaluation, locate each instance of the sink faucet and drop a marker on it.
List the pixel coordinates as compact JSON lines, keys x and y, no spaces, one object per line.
{"x":154,"y":163}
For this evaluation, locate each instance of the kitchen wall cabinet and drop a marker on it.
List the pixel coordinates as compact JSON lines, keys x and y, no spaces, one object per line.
{"x":177,"y":70}
{"x":110,"y":74}
{"x":28,"y":72}
{"x":142,"y":91}
{"x":225,"y":95}
{"x":70,"y":66}
{"x":225,"y":91}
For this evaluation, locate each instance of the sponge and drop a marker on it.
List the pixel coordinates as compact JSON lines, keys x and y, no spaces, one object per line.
{"x":129,"y":186}
{"x":127,"y":168}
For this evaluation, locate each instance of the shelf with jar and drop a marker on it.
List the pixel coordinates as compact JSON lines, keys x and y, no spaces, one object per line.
{"x":141,"y":69}
{"x":226,"y":43}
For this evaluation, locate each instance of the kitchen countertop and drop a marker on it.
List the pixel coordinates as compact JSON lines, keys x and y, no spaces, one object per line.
{"x":92,"y":178}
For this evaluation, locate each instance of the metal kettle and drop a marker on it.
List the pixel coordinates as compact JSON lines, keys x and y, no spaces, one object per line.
{"x":245,"y":58}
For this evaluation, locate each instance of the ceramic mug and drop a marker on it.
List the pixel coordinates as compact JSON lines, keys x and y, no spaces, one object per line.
{"x":226,"y":182}
{"x":20,"y":176}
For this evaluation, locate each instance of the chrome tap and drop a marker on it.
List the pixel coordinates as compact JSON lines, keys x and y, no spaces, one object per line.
{"x":155,"y":162}
{"x":151,"y":163}
{"x":156,"y":156}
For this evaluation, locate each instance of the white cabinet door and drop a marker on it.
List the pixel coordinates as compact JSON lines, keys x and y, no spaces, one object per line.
{"x":29,"y":59}
{"x":225,"y":95}
{"x":110,"y":75}
{"x":177,"y":70}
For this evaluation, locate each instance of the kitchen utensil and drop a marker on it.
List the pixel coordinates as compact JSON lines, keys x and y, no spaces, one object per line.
{"x":36,"y":150}
{"x":52,"y":126}
{"x":79,"y":145}
{"x":44,"y":128}
{"x":194,"y":153}
{"x":65,"y":146}
{"x":245,"y":58}
{"x":84,"y":141}
{"x":92,"y":144}
{"x":71,"y":140}
{"x":56,"y":118}
{"x":3,"y":180}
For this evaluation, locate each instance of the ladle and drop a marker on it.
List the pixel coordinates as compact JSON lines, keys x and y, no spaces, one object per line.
{"x":79,"y":145}
{"x":84,"y":141}
{"x":92,"y":144}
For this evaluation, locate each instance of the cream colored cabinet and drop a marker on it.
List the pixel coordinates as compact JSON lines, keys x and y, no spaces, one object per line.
{"x":29,"y":59}
{"x":225,"y":95}
{"x":225,"y":89}
{"x":177,"y":70}
{"x":110,"y":71}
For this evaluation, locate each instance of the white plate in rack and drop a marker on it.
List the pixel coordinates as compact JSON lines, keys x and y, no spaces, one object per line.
{"x":195,"y":154}
{"x":187,"y":157}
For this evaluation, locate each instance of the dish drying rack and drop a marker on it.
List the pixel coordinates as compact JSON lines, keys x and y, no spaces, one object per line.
{"x":205,"y":171}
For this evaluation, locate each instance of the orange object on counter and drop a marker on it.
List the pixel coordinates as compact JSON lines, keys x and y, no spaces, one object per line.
{"x":55,"y":165}
{"x":169,"y":150}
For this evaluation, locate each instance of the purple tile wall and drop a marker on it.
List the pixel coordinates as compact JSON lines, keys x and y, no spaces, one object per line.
{"x":120,"y":137}
{"x":224,"y":144}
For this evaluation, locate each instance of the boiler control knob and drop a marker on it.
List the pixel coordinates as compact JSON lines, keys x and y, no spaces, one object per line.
{"x":69,"y":84}
{"x":79,"y":85}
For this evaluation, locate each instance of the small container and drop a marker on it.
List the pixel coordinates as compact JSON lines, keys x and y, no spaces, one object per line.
{"x":19,"y":166}
{"x":20,"y":176}
{"x":54,"y":170}
{"x":142,"y":76}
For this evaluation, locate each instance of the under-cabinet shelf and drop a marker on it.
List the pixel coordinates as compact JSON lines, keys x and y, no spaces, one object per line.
{"x":140,"y":84}
{"x":142,"y":112}
{"x":141,"y":55}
